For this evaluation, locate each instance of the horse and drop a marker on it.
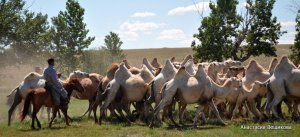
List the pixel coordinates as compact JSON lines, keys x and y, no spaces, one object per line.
{"x":42,"y":97}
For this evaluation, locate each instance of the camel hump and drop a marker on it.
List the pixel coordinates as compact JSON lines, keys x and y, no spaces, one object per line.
{"x":122,"y":73}
{"x":32,"y":75}
{"x":188,"y":57}
{"x":181,"y":73}
{"x":168,"y":65}
{"x":147,"y":63}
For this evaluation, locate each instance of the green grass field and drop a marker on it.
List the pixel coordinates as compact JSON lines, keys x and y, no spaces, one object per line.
{"x":11,"y":76}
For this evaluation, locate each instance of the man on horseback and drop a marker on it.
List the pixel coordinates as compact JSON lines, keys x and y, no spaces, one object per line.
{"x":58,"y":93}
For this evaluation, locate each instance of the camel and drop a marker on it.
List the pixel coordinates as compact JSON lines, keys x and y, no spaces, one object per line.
{"x":177,"y":65}
{"x":255,"y":72}
{"x":257,"y":91}
{"x":90,"y":84}
{"x":229,"y":63}
{"x":283,"y":82}
{"x":133,"y":88}
{"x":156,"y":64}
{"x":149,"y":66}
{"x":190,"y":89}
{"x":166,"y":74}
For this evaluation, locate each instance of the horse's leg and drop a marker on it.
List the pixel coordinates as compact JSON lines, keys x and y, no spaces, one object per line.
{"x":48,"y":113}
{"x":65,"y":113}
{"x":17,"y":101}
{"x":36,"y":109}
{"x":54,"y":112}
{"x":216,"y":112}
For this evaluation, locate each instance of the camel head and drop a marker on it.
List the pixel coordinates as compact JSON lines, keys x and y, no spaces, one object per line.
{"x":32,"y":76}
{"x":78,"y":74}
{"x":111,"y":70}
{"x":233,"y":82}
{"x":156,"y":64}
{"x":125,"y":61}
{"x":260,"y":88}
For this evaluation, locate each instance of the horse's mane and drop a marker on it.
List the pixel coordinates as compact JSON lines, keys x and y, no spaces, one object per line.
{"x":32,"y":75}
{"x":257,"y":66}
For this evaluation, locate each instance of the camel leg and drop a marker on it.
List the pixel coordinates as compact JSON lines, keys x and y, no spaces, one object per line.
{"x":274,"y":104}
{"x":269,"y":101}
{"x":198,"y":111}
{"x":237,"y":105}
{"x":17,"y":101}
{"x":216,"y":112}
{"x":95,"y":114}
{"x":181,"y":113}
{"x":104,"y":107}
{"x":253,"y":109}
{"x":90,"y":105}
{"x":170,"y":114}
{"x":279,"y":110}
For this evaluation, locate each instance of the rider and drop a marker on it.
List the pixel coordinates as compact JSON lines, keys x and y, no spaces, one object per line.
{"x":58,"y":93}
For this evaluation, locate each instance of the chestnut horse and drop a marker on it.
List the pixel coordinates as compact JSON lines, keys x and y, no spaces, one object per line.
{"x":42,"y":97}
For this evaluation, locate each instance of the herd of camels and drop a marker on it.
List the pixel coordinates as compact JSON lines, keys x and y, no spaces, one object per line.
{"x":149,"y":93}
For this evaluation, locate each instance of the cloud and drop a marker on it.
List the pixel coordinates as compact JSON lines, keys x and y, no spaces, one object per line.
{"x":288,"y":24}
{"x":201,"y":6}
{"x":128,"y":35}
{"x":140,"y":26}
{"x":172,"y":34}
{"x":143,"y":14}
{"x":188,"y":42}
{"x":131,"y":30}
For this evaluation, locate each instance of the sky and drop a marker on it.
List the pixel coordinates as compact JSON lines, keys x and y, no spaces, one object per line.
{"x":153,"y":23}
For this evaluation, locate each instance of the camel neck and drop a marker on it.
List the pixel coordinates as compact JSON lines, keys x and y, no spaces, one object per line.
{"x":220,"y":91}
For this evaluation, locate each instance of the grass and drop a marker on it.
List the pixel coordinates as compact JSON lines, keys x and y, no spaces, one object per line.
{"x":11,"y":76}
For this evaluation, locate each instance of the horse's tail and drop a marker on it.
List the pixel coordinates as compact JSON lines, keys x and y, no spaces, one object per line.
{"x":10,"y":97}
{"x":28,"y":99}
{"x":12,"y":91}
